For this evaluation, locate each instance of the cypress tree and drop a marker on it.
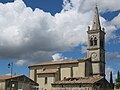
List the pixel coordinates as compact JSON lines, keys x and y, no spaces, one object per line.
{"x":118,"y":81}
{"x":118,"y":75}
{"x":111,"y":81}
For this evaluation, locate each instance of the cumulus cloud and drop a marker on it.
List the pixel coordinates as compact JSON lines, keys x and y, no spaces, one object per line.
{"x":35,"y":36}
{"x":58,"y":57}
{"x":86,"y":5}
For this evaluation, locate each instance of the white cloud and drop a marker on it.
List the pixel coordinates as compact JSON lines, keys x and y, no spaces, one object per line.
{"x":35,"y":36}
{"x":83,"y":49}
{"x":58,"y":57}
{"x":8,"y":74}
{"x":116,"y":20}
{"x":107,"y":72}
{"x":112,"y":55}
{"x":87,"y":5}
{"x":20,"y":62}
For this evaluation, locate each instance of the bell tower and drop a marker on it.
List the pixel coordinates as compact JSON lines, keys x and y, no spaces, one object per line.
{"x":96,"y":45}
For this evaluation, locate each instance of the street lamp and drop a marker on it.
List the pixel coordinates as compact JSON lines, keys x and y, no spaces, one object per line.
{"x":10,"y":65}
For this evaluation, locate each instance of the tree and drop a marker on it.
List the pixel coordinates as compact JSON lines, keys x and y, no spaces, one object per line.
{"x":118,"y":75}
{"x":117,"y":83}
{"x":111,"y":81}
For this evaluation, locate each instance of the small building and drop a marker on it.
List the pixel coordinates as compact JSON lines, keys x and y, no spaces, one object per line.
{"x":82,"y":83}
{"x":17,"y":82}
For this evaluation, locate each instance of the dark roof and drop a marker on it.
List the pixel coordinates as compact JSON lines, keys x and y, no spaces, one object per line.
{"x":80,"y":80}
{"x":61,"y":62}
{"x":18,"y":78}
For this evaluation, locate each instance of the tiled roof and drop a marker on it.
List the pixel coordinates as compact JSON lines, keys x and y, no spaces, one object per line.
{"x":60,"y":62}
{"x":17,"y":77}
{"x":80,"y":80}
{"x":8,"y":77}
{"x":48,"y":71}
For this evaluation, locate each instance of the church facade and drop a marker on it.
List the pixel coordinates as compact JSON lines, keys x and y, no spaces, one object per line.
{"x":83,"y":74}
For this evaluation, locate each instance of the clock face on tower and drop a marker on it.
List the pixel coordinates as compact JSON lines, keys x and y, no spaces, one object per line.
{"x":93,"y":55}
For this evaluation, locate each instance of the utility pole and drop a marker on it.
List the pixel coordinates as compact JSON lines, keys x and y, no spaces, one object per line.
{"x":10,"y":65}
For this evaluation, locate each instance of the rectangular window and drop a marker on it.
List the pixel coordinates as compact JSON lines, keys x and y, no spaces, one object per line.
{"x":71,"y":71}
{"x":45,"y":80}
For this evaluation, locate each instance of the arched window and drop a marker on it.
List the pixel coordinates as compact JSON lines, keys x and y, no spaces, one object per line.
{"x":91,"y":42}
{"x":95,"y":41}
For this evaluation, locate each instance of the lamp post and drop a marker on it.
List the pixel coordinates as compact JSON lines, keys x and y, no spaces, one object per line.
{"x":10,"y":65}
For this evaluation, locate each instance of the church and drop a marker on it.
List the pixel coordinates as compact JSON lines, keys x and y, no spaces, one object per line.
{"x":83,"y":74}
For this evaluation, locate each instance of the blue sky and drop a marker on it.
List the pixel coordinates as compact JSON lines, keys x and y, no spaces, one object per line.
{"x":55,"y":30}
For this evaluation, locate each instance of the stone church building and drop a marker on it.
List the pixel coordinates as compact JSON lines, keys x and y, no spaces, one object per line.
{"x":82,"y":74}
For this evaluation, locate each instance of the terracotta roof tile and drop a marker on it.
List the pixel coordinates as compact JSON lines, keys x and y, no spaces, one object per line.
{"x":8,"y":77}
{"x":60,"y":62}
{"x":80,"y":80}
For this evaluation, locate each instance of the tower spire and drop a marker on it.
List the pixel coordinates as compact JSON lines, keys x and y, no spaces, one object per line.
{"x":96,"y":20}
